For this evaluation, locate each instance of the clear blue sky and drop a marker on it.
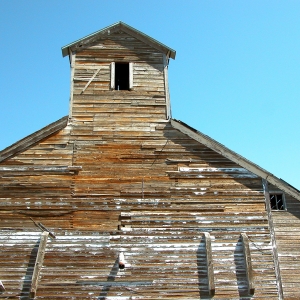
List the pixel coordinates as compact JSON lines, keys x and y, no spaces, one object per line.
{"x":235,"y":78}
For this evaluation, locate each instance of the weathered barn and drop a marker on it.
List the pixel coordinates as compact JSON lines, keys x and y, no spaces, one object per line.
{"x":120,"y":201}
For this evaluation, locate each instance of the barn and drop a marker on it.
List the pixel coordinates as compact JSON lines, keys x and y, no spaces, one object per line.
{"x":120,"y":201}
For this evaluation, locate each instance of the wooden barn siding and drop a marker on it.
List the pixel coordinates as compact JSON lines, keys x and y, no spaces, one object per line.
{"x":145,"y":189}
{"x":148,"y":66}
{"x":287,"y":231}
{"x":161,"y":226}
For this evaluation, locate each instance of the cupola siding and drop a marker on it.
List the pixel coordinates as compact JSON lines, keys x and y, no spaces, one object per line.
{"x":118,"y":200}
{"x":93,"y":77}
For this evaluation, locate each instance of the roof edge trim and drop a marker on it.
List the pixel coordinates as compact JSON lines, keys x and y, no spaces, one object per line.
{"x":33,"y":138}
{"x":130,"y":30}
{"x":233,"y":156}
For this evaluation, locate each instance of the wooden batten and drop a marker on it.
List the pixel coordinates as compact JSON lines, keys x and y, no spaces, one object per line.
{"x":209,"y":263}
{"x":86,"y":86}
{"x":38,"y":263}
{"x":248,"y":263}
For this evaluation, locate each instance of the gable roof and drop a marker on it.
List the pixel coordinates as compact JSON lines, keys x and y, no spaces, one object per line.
{"x":33,"y":138}
{"x":233,"y":156}
{"x":115,"y":27}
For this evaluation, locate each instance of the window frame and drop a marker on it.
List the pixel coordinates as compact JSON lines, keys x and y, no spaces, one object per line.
{"x":271,"y":194}
{"x":113,"y":75}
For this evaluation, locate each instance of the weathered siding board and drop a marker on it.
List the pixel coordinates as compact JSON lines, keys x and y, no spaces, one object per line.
{"x":287,"y":231}
{"x":148,"y":65}
{"x":18,"y":252}
{"x":55,"y":150}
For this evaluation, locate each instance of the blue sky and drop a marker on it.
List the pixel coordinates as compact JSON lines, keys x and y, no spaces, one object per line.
{"x":235,"y":77}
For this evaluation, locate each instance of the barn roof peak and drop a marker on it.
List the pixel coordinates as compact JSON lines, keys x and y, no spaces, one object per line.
{"x":112,"y":28}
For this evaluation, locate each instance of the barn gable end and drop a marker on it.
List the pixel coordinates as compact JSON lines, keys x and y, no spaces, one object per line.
{"x":120,"y":201}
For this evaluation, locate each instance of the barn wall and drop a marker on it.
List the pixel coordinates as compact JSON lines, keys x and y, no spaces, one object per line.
{"x":151,"y":193}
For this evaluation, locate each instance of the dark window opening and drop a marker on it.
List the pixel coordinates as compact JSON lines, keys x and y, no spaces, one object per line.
{"x":277,"y":202}
{"x":122,"y":76}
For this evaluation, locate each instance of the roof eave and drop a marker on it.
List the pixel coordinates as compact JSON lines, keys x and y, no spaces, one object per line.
{"x":130,"y":30}
{"x":33,"y":138}
{"x":233,"y":156}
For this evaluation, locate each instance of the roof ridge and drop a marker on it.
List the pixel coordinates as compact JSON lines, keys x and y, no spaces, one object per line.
{"x":128,"y":29}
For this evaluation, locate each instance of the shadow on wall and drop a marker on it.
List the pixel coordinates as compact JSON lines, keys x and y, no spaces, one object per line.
{"x":25,"y":293}
{"x":240,"y":270}
{"x":202,"y":271}
{"x":111,"y":277}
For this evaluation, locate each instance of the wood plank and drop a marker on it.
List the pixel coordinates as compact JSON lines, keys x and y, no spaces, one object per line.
{"x":38,"y":263}
{"x":86,"y":86}
{"x":112,"y":76}
{"x":39,"y":169}
{"x":248,"y":263}
{"x":209,"y":263}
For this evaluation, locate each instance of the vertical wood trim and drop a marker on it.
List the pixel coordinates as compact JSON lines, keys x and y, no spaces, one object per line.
{"x":2,"y":288}
{"x":248,"y":263}
{"x":112,"y":76}
{"x":72,"y":60}
{"x":38,"y":263}
{"x":130,"y":76}
{"x":167,"y":93}
{"x":273,"y":239}
{"x":209,"y":263}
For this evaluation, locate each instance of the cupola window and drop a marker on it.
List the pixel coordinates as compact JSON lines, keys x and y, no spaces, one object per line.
{"x":121,"y":76}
